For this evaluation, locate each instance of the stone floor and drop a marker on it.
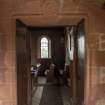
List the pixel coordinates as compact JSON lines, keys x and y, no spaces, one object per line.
{"x":38,"y":90}
{"x":51,"y":95}
{"x":65,"y":92}
{"x":57,"y":95}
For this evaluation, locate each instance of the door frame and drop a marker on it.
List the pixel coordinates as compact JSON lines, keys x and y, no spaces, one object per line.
{"x":87,"y":72}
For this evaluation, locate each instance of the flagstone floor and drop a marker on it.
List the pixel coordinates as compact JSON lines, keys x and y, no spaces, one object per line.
{"x":50,"y":94}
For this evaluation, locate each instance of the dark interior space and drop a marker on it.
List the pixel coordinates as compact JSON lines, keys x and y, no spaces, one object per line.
{"x":57,"y":37}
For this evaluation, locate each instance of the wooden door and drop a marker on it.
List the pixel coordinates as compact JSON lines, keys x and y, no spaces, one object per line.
{"x":80,"y":61}
{"x":28,"y":57}
{"x":23,"y":63}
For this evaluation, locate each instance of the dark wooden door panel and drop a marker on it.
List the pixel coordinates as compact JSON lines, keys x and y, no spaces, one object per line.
{"x":23,"y":62}
{"x":80,"y":60}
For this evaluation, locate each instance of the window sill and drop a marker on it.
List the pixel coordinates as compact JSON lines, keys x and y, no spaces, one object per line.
{"x":45,"y":58}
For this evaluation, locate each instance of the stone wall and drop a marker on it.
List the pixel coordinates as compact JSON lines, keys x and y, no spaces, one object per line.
{"x":53,"y":12}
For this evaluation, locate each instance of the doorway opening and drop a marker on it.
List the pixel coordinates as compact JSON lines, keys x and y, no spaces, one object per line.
{"x":50,"y":60}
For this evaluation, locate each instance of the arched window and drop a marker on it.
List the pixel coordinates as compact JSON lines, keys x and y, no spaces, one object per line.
{"x":44,"y":48}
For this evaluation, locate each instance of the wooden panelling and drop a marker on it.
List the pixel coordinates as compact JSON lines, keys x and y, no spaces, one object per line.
{"x":23,"y":63}
{"x":80,"y":61}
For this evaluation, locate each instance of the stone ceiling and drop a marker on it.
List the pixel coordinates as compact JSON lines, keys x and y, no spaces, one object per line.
{"x":44,"y":12}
